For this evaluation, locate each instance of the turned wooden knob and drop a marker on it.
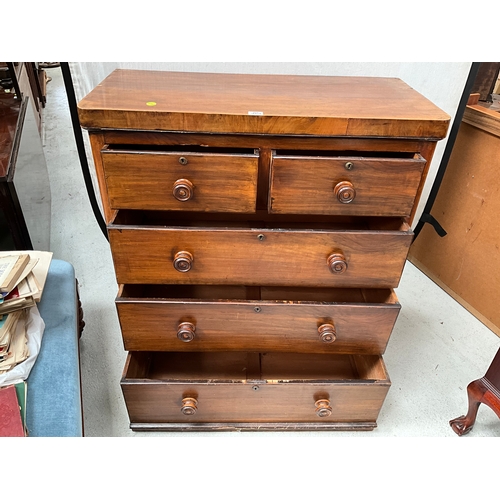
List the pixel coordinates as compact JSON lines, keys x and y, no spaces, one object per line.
{"x":323,"y":408}
{"x":183,"y":190}
{"x":344,"y":191}
{"x":327,"y":333}
{"x":183,"y":261}
{"x":189,"y":406}
{"x":185,"y":332}
{"x":337,"y":263}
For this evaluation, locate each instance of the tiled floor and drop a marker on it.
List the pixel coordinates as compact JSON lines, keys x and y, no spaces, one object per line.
{"x":436,"y":349}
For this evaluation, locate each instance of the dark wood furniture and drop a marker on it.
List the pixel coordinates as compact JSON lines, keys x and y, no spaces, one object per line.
{"x":25,"y":201}
{"x":258,"y":225}
{"x":486,"y":80}
{"x":484,"y":390}
{"x":27,"y":80}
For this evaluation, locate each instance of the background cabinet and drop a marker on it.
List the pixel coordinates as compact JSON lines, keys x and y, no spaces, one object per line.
{"x":25,"y":201}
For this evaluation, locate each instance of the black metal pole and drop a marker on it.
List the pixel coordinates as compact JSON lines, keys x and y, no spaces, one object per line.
{"x":426,"y":214}
{"x":70,"y":92}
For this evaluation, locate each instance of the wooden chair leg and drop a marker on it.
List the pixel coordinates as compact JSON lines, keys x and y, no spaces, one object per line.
{"x":479,"y":391}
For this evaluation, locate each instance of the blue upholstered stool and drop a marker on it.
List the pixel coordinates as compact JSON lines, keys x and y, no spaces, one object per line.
{"x":54,"y":403}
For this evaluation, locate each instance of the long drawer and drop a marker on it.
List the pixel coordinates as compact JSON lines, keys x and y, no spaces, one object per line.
{"x":224,"y":318}
{"x":180,"y":180}
{"x":361,"y":255}
{"x":217,"y":391}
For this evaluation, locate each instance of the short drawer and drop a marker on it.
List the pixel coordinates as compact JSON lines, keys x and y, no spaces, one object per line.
{"x":181,"y":180}
{"x":362,"y":255}
{"x":288,"y":391}
{"x":224,"y":318}
{"x":344,"y":185}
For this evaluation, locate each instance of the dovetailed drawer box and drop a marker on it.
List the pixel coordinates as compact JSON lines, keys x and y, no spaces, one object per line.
{"x":258,"y":225}
{"x":228,"y":390}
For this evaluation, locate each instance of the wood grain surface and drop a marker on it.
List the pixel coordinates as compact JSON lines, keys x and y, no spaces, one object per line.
{"x":382,"y":186}
{"x":283,"y":320}
{"x":158,"y":396}
{"x":262,"y":104}
{"x":145,"y":180}
{"x":258,"y":256}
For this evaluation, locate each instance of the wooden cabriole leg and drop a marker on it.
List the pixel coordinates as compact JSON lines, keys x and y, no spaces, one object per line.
{"x":475,"y":392}
{"x":484,"y":390}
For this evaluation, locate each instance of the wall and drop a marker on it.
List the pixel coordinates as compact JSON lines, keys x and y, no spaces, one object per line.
{"x":441,"y":82}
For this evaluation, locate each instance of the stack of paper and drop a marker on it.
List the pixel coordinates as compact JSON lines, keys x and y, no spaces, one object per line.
{"x":19,"y":293}
{"x":11,"y":267}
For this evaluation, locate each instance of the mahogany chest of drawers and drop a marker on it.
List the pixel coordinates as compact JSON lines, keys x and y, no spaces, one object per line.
{"x":258,"y":225}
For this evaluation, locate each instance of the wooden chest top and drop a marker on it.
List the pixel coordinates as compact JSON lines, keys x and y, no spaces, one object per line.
{"x":261,"y":104}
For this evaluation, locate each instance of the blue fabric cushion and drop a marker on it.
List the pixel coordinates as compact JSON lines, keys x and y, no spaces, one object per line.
{"x":53,"y":406}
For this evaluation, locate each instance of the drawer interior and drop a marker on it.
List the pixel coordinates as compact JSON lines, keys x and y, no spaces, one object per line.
{"x":248,"y":293}
{"x":197,"y":148}
{"x":346,"y":153}
{"x":259,"y":220}
{"x":175,"y":148}
{"x":243,"y":367}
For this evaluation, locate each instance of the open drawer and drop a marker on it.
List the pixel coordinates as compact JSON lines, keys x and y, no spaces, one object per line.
{"x":158,"y":248}
{"x":209,"y":318}
{"x":255,"y":391}
{"x":311,"y":183}
{"x":188,"y":179}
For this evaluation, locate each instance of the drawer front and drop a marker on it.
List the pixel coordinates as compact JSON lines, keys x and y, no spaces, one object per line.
{"x":348,"y":396}
{"x":259,"y":257}
{"x":344,"y":186}
{"x":206,"y":182}
{"x":265,"y":325}
{"x":162,"y":403}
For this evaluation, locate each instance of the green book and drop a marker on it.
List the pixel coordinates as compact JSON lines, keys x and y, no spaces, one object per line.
{"x":21,"y":391}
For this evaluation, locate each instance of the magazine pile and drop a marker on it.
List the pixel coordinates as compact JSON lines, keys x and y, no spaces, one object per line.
{"x":22,"y":277}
